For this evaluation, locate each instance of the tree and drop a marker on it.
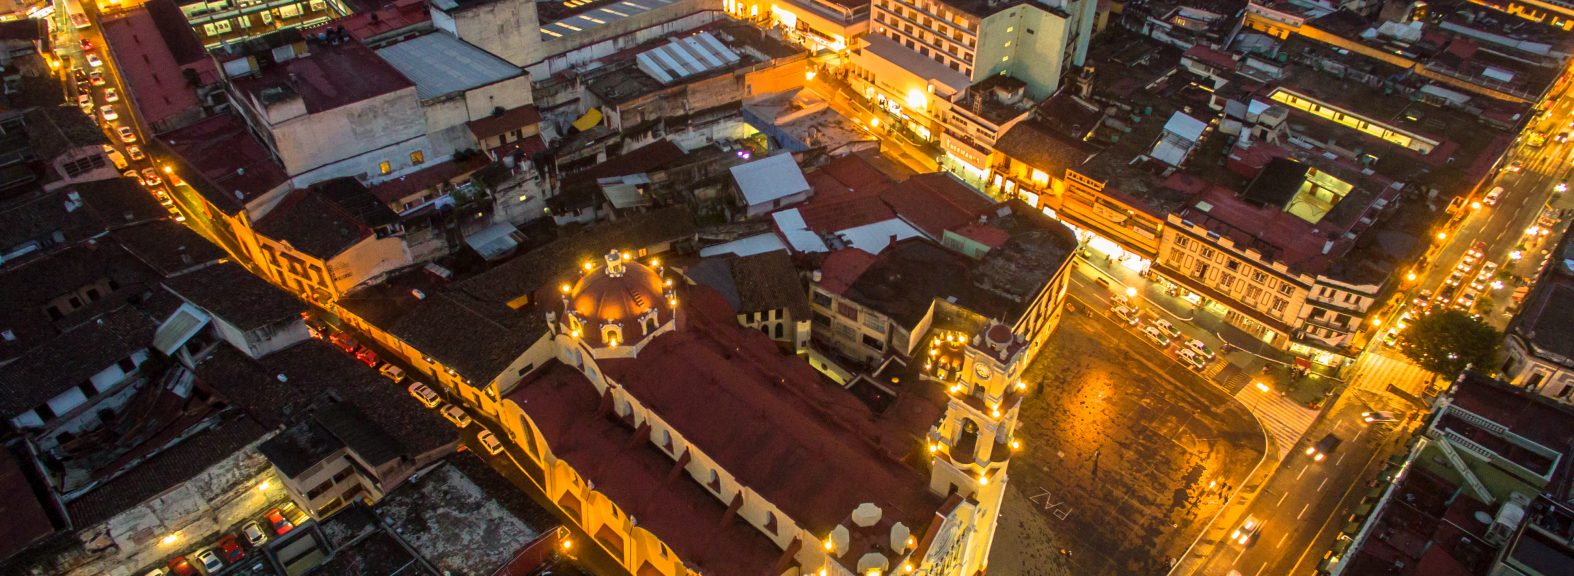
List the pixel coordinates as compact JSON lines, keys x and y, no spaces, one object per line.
{"x":1443,"y":342}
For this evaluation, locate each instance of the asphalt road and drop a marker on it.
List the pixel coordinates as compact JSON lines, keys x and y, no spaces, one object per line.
{"x":1126,"y":456}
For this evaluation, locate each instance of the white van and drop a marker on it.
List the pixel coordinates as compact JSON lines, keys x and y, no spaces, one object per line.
{"x":1492,"y":197}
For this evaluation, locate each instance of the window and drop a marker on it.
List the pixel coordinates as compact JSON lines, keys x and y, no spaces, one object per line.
{"x":874,"y":322}
{"x":1182,"y":241}
{"x":1232,"y":265}
{"x":847,"y":311}
{"x":1207,"y":253}
{"x":385,"y":167}
{"x":822,"y":299}
{"x":873,"y":343}
{"x":1287,"y":288}
{"x":319,"y":490}
{"x":1259,"y":277}
{"x":127,"y":365}
{"x":1225,"y":280}
{"x":1278,"y":305}
{"x":780,"y":329}
{"x":714,"y":483}
{"x":821,"y":319}
{"x":343,"y":474}
{"x":417,"y":158}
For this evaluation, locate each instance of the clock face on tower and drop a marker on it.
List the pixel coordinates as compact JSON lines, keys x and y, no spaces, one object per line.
{"x":982,"y":370}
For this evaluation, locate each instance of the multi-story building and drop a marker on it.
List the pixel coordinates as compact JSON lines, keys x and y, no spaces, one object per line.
{"x":978,"y":117}
{"x":821,"y":24}
{"x":1540,"y":348}
{"x":322,"y":241}
{"x":919,"y":55}
{"x":765,"y":289}
{"x":72,"y":148}
{"x":152,"y":47}
{"x":868,"y":308}
{"x":222,"y":22}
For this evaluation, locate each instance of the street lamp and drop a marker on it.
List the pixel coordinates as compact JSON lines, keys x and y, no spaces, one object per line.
{"x":1442,"y":235}
{"x":1131,"y":292}
{"x":1410,"y":276}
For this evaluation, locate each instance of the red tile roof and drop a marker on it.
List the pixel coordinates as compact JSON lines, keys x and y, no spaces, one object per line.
{"x":388,"y":18}
{"x":937,"y":202}
{"x":395,"y":190}
{"x":151,"y":67}
{"x":330,"y":77}
{"x":679,"y":511}
{"x":985,"y":234}
{"x":26,"y":521}
{"x":231,"y":167}
{"x":856,"y":174}
{"x":807,"y":446}
{"x":834,"y":214}
{"x":490,"y":126}
{"x":843,"y":267}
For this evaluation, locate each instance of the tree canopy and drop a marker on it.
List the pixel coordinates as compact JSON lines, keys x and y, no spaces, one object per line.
{"x":1444,"y":342}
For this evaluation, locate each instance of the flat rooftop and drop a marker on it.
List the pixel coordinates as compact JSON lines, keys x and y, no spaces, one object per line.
{"x":441,"y":64}
{"x":149,"y":49}
{"x":598,"y":14}
{"x":328,"y":77}
{"x":1528,"y":415}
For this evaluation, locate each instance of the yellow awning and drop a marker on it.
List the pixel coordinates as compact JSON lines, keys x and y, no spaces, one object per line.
{"x":591,"y":118}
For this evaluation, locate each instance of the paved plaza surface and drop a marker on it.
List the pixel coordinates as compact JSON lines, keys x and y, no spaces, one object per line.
{"x":1126,"y":457}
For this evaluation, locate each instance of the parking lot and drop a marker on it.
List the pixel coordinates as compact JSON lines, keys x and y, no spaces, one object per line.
{"x":234,"y":551}
{"x":1127,"y":455}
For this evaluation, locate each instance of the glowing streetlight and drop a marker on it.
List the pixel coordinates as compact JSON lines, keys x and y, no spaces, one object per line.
{"x":1561,"y":187}
{"x":874,"y":122}
{"x":169,"y":539}
{"x":1475,"y":205}
{"x":1442,"y":235}
{"x":263,"y":486}
{"x":1131,"y":292}
{"x":808,"y":75}
{"x":1411,"y":277}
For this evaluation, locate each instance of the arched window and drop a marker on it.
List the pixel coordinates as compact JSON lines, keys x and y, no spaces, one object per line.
{"x":611,"y":334}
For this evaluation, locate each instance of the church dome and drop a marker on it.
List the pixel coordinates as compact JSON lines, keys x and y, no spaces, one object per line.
{"x":619,"y":302}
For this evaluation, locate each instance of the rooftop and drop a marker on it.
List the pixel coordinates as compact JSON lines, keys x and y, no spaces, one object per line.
{"x":441,"y":64}
{"x":1426,"y":529}
{"x":509,"y":120}
{"x":756,"y":283}
{"x":27,"y":521}
{"x":167,"y":246}
{"x":906,"y":279}
{"x":997,"y":99}
{"x":326,"y":219}
{"x":223,"y":161}
{"x":597,"y":14}
{"x":66,"y":361}
{"x":1041,"y":145}
{"x":769,"y":179}
{"x":386,"y":19}
{"x":392,"y":191}
{"x":53,"y":130}
{"x":328,"y":77}
{"x":76,"y":212}
{"x":920,"y":65}
{"x":464,"y":517}
{"x":1528,"y":415}
{"x":230,"y":292}
{"x":153,"y":43}
{"x":937,"y":202}
{"x":31,"y":287}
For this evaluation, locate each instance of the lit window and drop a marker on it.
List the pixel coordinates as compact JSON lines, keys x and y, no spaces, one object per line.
{"x":1040,"y":177}
{"x":385,"y":167}
{"x":417,"y":157}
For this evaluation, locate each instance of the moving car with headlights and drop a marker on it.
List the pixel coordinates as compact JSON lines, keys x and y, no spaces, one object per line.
{"x":1248,"y":531}
{"x":1377,"y":417}
{"x":1323,"y":448}
{"x":111,"y":95}
{"x":108,"y":112}
{"x":1491,"y":199}
{"x":135,"y":153}
{"x":93,"y":61}
{"x":126,"y":135}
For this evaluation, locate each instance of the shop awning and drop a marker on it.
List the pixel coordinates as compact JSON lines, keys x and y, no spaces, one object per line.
{"x":591,"y":118}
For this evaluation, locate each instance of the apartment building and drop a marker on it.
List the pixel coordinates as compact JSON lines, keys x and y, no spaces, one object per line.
{"x":919,"y":53}
{"x":819,"y":24}
{"x":221,"y":22}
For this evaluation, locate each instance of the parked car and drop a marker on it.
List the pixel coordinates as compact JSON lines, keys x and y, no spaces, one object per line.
{"x":108,"y":112}
{"x":278,"y":522}
{"x":96,"y":78}
{"x":1248,"y":531}
{"x":1516,"y":166}
{"x":1455,"y":278}
{"x":111,"y":95}
{"x":1126,"y":314}
{"x":1192,"y":359}
{"x":180,"y":566}
{"x":1467,"y":299}
{"x":135,"y":153}
{"x":1120,"y":300}
{"x":1478,"y":249}
{"x":80,"y":75}
{"x":489,"y":441}
{"x":1391,"y":337}
{"x":456,"y":415}
{"x":1488,"y":268}
{"x":1378,"y":417}
{"x":1323,"y":448}
{"x":254,"y":534}
{"x":151,"y":177}
{"x":85,"y":101}
{"x":229,"y":545}
{"x":210,"y":561}
{"x":87,"y":45}
{"x":1201,"y":348}
{"x":425,"y":395}
{"x":1168,"y":328}
{"x":93,"y":61}
{"x":392,"y":372}
{"x":126,"y":135}
{"x":1156,"y":335}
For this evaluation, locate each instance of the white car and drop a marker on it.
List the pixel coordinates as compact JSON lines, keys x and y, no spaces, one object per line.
{"x":1200,"y":348}
{"x":425,"y":395}
{"x":1488,"y":268}
{"x":126,"y":134}
{"x":254,"y":534}
{"x":1492,"y":197}
{"x":93,"y":61}
{"x":86,"y":102}
{"x":392,"y":372}
{"x":135,"y":153}
{"x":111,"y":95}
{"x":1156,"y":335}
{"x":489,"y":442}
{"x":1126,"y":314}
{"x":109,"y":113}
{"x":456,"y":415}
{"x":1192,"y":359}
{"x":1377,"y":417}
{"x":210,"y":561}
{"x":1168,"y":328}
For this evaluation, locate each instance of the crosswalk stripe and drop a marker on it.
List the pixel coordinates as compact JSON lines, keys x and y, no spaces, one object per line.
{"x":1285,"y":421}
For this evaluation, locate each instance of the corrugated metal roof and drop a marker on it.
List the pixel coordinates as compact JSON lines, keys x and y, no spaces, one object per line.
{"x":179,"y":328}
{"x":441,"y":64}
{"x":685,"y":57}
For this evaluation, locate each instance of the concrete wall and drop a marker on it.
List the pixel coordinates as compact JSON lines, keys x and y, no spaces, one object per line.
{"x":310,"y":146}
{"x":506,"y":28}
{"x":262,"y":341}
{"x":1037,"y":58}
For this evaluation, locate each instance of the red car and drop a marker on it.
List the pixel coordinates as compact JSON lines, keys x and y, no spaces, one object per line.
{"x":180,"y":567}
{"x":277,"y":521}
{"x":87,"y":45}
{"x":230,"y":546}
